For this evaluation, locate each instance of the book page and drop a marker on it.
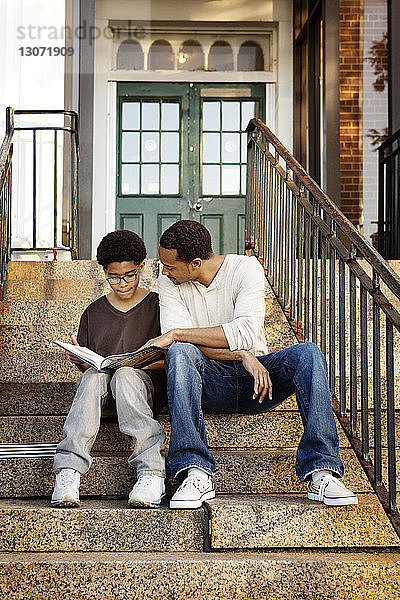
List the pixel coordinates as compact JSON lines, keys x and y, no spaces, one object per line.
{"x":85,"y":354}
{"x":137,"y":358}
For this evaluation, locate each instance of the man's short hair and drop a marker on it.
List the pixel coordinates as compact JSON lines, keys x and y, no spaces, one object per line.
{"x":189,"y":238}
{"x":119,"y":246}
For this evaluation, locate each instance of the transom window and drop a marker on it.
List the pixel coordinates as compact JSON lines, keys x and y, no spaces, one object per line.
{"x":236,"y":54}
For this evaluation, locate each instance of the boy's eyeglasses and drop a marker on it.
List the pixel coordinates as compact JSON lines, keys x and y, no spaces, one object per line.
{"x":116,"y":280}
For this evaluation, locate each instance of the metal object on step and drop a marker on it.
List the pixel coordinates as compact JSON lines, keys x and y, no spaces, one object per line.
{"x":27,"y":450}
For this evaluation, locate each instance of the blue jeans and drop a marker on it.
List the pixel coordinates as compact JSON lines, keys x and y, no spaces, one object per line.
{"x":197,"y":384}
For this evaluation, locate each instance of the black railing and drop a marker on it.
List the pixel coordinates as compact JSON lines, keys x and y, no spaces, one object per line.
{"x":389,"y":197}
{"x":63,"y":169}
{"x":335,"y":289}
{"x":6,"y":153}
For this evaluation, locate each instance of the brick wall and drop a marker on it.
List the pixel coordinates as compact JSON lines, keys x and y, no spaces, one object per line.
{"x":351,"y":129}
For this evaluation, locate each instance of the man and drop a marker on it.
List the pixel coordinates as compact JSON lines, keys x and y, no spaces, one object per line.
{"x":212,"y":315}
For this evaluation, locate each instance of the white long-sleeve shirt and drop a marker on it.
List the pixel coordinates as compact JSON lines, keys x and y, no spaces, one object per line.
{"x":234,"y":299}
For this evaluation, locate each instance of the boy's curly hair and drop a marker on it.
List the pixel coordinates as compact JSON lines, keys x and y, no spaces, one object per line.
{"x":119,"y":246}
{"x":189,"y":238}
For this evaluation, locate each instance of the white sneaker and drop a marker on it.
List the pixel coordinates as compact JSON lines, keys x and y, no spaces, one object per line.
{"x":149,"y":490}
{"x":329,"y":490}
{"x":192,"y":492}
{"x":66,"y":489}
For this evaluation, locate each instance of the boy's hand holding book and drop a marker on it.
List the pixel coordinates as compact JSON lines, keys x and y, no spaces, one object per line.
{"x":82,"y":366}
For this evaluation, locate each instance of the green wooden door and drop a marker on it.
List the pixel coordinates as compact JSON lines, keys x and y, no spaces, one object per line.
{"x":181,"y":155}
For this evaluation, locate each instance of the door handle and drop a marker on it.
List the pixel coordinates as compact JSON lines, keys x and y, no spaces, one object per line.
{"x":198,"y":206}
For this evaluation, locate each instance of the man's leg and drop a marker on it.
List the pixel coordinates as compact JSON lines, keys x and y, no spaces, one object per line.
{"x":80,"y":430}
{"x":189,"y":372}
{"x":302,"y":369}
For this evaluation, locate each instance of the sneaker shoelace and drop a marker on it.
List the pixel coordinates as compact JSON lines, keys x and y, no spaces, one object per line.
{"x":145,"y":480}
{"x":67,"y":477}
{"x":194,"y":481}
{"x":324,"y":482}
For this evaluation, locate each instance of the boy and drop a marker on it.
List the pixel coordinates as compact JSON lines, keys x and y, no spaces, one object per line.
{"x":121,"y":321}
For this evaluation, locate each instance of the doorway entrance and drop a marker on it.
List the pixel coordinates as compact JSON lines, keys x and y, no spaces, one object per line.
{"x":182,"y":154}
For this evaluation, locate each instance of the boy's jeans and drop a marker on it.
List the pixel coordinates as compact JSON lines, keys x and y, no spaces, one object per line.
{"x":133,"y":391}
{"x":197,"y":384}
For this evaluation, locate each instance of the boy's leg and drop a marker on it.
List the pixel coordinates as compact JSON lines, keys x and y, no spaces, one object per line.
{"x":133,"y":391}
{"x":82,"y":423}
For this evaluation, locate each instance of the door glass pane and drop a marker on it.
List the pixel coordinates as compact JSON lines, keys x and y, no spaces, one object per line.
{"x":130,"y":147}
{"x":211,"y":149}
{"x":131,"y":115}
{"x":170,"y":116}
{"x":231,"y":116}
{"x":150,"y":144}
{"x":211,"y":180}
{"x":169,"y":179}
{"x":243,"y":168}
{"x":230,"y":179}
{"x":211,"y":116}
{"x":248,"y":113}
{"x":244,"y":148}
{"x":230,"y":147}
{"x":130,"y":179}
{"x":170,"y":147}
{"x":150,"y":115}
{"x":150,"y":179}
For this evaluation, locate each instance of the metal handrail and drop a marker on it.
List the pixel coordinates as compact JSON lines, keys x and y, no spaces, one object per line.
{"x":389,"y":197}
{"x":334,"y":287}
{"x":6,"y":156}
{"x":6,"y":152}
{"x":389,"y":140}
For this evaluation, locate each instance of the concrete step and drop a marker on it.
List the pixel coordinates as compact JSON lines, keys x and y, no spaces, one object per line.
{"x":54,"y":289}
{"x":295,"y":522}
{"x":47,"y":312}
{"x":29,"y":326}
{"x":46,"y":398}
{"x":148,"y":576}
{"x":34,"y":526}
{"x":37,"y":367}
{"x":235,"y":523}
{"x":276,"y":429}
{"x":76,"y":269}
{"x":241,"y":472}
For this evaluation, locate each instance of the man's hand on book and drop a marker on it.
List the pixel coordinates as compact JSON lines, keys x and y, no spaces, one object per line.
{"x":163,"y":341}
{"x":82,"y":366}
{"x":262,"y":380}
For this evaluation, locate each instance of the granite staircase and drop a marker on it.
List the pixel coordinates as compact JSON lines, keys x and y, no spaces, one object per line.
{"x":261,"y":537}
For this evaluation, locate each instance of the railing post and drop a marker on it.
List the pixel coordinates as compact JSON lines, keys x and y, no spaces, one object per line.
{"x":249,"y":213}
{"x":9,"y":119}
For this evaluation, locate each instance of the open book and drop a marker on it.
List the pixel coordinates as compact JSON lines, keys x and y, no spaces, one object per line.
{"x":139,"y":358}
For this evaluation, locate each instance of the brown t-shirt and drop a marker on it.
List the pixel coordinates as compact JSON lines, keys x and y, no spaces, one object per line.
{"x":107,"y":330}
